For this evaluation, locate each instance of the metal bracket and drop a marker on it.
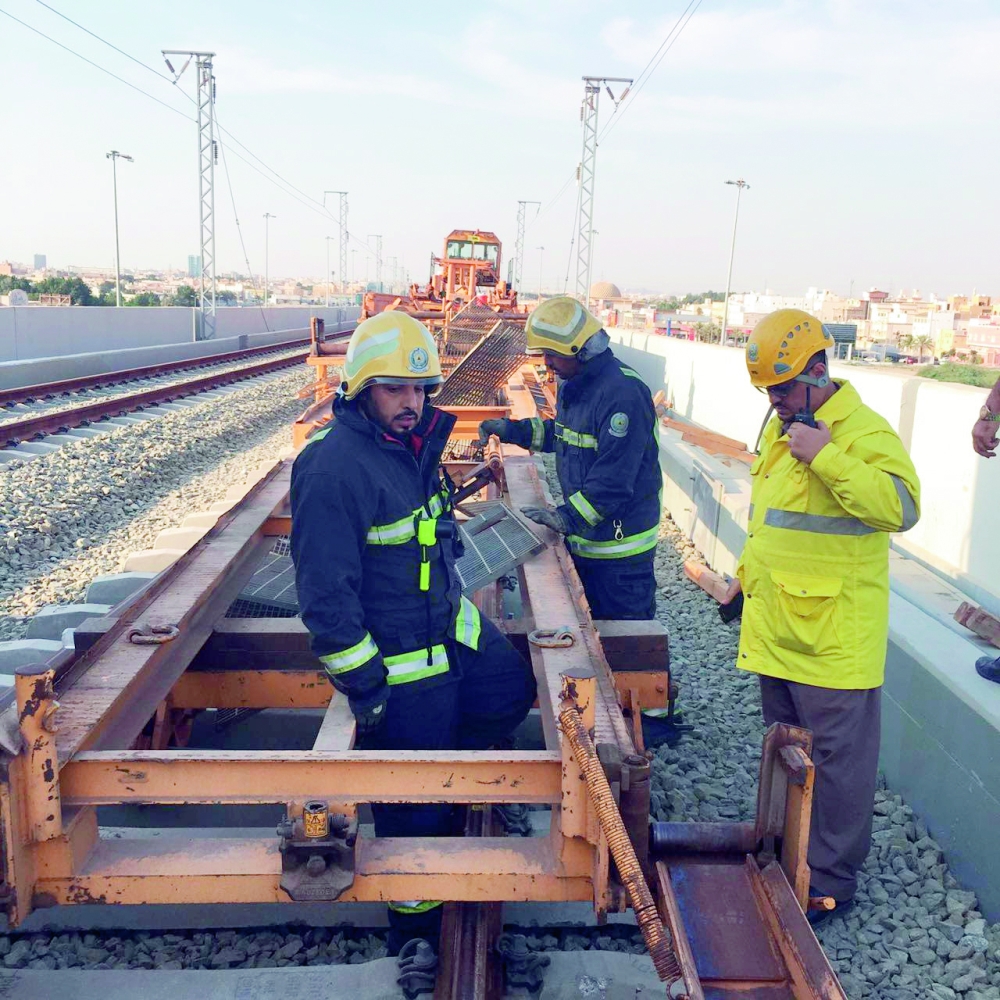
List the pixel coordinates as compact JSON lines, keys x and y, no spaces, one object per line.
{"x":317,"y":868}
{"x":522,"y":968}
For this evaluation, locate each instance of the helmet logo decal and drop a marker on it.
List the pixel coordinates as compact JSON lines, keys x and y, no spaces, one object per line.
{"x":619,"y":425}
{"x":418,"y":361}
{"x":753,"y":352}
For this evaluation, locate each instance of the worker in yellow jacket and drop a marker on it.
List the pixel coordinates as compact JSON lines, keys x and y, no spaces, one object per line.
{"x":831,"y":483}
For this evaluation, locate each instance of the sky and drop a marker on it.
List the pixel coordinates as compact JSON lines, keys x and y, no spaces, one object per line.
{"x":866,"y":130}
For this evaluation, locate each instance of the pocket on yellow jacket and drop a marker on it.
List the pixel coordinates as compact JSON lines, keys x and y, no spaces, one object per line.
{"x":806,"y":617}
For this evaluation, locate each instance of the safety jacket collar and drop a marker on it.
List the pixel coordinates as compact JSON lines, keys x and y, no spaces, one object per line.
{"x":592,"y":371}
{"x":434,"y":427}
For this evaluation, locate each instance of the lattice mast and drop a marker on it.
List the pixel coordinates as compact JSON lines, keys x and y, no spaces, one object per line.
{"x":208,"y":155}
{"x":518,"y":260}
{"x":585,"y":175}
{"x":342,"y":273}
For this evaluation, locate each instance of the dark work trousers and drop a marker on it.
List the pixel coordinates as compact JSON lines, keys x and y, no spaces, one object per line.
{"x":845,"y":727}
{"x":619,"y":588}
{"x":481,"y":699}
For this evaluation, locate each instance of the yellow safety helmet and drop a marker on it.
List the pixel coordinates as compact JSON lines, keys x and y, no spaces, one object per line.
{"x":782,"y":344}
{"x":560,"y":326}
{"x":390,"y":348}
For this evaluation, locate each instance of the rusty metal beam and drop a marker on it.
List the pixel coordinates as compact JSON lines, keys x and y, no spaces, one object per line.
{"x":254,"y":776}
{"x":117,"y":685}
{"x":175,"y":868}
{"x":251,"y":689}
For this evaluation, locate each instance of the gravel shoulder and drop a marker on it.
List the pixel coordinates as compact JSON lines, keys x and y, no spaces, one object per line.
{"x":74,"y":514}
{"x":914,"y":933}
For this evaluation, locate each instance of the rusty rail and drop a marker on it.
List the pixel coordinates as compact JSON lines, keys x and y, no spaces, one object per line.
{"x":51,"y":423}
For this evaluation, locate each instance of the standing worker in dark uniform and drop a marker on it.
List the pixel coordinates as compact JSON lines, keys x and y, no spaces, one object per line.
{"x":374,"y":545}
{"x":607,"y":459}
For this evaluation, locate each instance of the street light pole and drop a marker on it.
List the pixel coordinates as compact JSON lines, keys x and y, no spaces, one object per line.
{"x":541,"y":254}
{"x":326,"y":283}
{"x":267,"y":273}
{"x":114,"y":156}
{"x":739,"y":185}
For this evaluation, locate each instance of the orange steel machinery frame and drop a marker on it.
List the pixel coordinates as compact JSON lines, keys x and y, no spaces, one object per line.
{"x":171,"y":651}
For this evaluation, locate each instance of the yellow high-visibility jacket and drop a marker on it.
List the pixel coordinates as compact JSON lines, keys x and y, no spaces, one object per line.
{"x":815,"y":568}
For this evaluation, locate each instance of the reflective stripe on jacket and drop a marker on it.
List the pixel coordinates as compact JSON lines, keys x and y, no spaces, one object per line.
{"x":815,"y":568}
{"x":607,"y":458}
{"x":375,"y":572}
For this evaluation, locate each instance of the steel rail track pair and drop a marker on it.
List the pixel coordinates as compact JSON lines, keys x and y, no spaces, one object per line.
{"x":30,"y":428}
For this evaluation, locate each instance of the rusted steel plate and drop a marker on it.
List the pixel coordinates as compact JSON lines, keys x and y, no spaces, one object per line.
{"x":728,"y":936}
{"x":222,"y":776}
{"x":117,"y":684}
{"x":252,"y":689}
{"x":51,"y":423}
{"x":808,"y":967}
{"x":176,"y":868}
{"x":546,"y":575}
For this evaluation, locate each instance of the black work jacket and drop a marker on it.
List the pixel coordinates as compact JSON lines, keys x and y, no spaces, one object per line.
{"x":607,"y":458}
{"x":356,"y":496}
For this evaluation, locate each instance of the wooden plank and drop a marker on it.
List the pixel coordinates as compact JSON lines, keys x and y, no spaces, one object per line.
{"x":709,"y":581}
{"x":980,"y":621}
{"x":338,"y":731}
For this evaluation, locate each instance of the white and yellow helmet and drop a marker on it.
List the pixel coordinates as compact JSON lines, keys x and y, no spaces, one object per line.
{"x":390,"y":348}
{"x":560,"y":326}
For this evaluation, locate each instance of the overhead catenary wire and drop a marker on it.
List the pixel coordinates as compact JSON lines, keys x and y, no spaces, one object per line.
{"x":641,"y":80}
{"x":279,"y":181}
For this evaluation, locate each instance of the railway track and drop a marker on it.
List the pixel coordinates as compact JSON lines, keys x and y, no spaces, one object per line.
{"x":52,"y":419}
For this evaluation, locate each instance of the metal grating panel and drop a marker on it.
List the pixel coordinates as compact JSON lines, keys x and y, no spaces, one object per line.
{"x":478,"y":378}
{"x":270,"y":592}
{"x":495,"y":543}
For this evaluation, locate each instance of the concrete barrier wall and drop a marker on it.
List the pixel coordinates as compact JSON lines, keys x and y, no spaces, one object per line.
{"x":956,"y":535}
{"x":28,"y":332}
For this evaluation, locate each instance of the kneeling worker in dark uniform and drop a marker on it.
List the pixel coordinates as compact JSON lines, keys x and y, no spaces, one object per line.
{"x":607,"y":459}
{"x":374,"y":544}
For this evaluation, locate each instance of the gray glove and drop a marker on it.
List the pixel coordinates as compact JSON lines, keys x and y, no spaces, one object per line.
{"x":370,"y":713}
{"x":497,"y":425}
{"x":549,"y":517}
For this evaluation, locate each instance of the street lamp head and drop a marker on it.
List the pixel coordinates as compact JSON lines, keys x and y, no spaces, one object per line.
{"x":740,"y":183}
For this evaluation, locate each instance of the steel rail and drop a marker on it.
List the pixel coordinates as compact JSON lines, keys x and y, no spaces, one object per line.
{"x":52,"y":423}
{"x":48,"y":390}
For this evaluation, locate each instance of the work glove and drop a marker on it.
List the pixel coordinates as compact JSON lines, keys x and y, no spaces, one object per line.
{"x":370,"y":712}
{"x":547,"y":516}
{"x":497,"y":425}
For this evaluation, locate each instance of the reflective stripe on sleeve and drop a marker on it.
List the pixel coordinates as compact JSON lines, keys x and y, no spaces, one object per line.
{"x":350,"y":659}
{"x":468,"y":624}
{"x":395,"y":533}
{"x":537,"y":434}
{"x":407,"y":667}
{"x":576,"y":438}
{"x":616,"y":548}
{"x":586,"y":509}
{"x":910,"y":515}
{"x":818,"y":524}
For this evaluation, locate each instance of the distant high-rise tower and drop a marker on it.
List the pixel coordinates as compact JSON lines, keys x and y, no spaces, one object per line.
{"x":40,"y":264}
{"x":194,"y":265}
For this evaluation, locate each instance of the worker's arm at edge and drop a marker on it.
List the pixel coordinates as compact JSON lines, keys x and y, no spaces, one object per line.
{"x":532,"y":434}
{"x":874,"y":481}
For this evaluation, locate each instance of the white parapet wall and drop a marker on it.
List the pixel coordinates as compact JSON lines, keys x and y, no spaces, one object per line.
{"x":956,"y":535}
{"x":29,"y":332}
{"x":940,"y":744}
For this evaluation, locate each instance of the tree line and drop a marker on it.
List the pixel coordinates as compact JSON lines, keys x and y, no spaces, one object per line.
{"x":81,"y":294}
